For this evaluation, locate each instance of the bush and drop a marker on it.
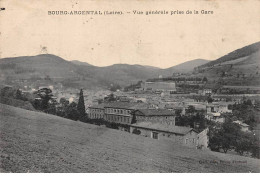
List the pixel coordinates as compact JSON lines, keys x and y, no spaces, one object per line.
{"x":136,"y":131}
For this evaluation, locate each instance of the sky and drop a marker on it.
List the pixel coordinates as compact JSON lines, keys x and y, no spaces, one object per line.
{"x":156,"y":40}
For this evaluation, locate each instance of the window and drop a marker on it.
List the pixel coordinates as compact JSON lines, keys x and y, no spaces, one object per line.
{"x":186,"y":141}
{"x":193,"y":140}
{"x":155,"y":135}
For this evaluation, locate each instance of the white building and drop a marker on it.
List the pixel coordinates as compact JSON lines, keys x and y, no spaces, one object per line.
{"x":244,"y":126}
{"x":159,"y":86}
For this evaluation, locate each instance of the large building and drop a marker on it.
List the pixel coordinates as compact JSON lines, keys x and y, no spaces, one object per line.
{"x":159,"y":86}
{"x":121,"y":112}
{"x":97,"y":112}
{"x":162,"y":116}
{"x":155,"y":123}
{"x":178,"y":134}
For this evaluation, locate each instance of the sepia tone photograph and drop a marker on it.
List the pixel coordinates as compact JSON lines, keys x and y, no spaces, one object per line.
{"x":129,"y":86}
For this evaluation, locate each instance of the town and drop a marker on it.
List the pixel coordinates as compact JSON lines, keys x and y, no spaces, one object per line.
{"x":177,"y":109}
{"x":129,"y":86}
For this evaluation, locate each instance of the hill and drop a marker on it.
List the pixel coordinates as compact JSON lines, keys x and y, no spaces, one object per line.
{"x":187,"y":66}
{"x":47,"y":67}
{"x":38,"y":142}
{"x":240,"y":67}
{"x":80,"y":63}
{"x":237,"y":54}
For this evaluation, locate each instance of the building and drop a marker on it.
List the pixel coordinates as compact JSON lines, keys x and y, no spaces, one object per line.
{"x":207,"y":92}
{"x":214,"y":111}
{"x":162,"y":116}
{"x":220,"y":107}
{"x":181,"y":135}
{"x":121,"y":112}
{"x":244,"y":126}
{"x":97,"y":111}
{"x":203,"y":139}
{"x":215,"y":116}
{"x":159,"y":86}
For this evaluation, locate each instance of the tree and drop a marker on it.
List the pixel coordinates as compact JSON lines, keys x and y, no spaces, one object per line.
{"x":18,"y":94}
{"x":110,"y":98}
{"x":191,"y":109}
{"x":115,"y":87}
{"x":71,"y":111}
{"x":178,"y":112}
{"x":255,"y":148}
{"x":64,"y":102}
{"x":243,"y":143}
{"x":45,"y":94}
{"x":136,"y":131}
{"x":214,"y":139}
{"x":210,"y":100}
{"x":81,"y":105}
{"x":224,"y":137}
{"x":205,"y":79}
{"x":8,"y":92}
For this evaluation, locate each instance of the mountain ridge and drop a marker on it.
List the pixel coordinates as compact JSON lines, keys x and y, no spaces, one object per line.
{"x":236,"y":68}
{"x":80,"y":73}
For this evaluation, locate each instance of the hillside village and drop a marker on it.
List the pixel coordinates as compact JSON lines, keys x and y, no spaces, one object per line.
{"x":191,"y":109}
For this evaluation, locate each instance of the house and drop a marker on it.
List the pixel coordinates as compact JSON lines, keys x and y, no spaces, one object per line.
{"x":176,"y":106}
{"x":206,"y":92}
{"x":221,"y":107}
{"x":244,"y":126}
{"x":215,"y":116}
{"x":215,"y":110}
{"x":203,"y":139}
{"x":97,"y":111}
{"x":178,"y":134}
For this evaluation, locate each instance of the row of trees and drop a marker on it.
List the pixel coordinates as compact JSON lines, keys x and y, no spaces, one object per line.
{"x":177,"y":79}
{"x":226,"y":136}
{"x":48,"y":104}
{"x":247,"y":112}
{"x":229,"y":136}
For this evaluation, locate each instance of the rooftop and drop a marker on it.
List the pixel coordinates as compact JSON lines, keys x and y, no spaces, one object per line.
{"x":99,"y":106}
{"x":155,"y":112}
{"x":241,"y":123}
{"x":126,"y":105}
{"x":168,"y":128}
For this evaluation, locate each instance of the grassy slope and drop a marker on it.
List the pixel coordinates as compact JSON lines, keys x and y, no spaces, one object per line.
{"x":248,"y":65}
{"x":37,"y":142}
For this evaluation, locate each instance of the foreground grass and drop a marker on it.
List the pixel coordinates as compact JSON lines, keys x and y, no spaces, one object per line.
{"x":38,"y":142}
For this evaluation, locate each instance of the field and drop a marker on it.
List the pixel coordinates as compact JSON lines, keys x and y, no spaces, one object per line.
{"x":37,"y":142}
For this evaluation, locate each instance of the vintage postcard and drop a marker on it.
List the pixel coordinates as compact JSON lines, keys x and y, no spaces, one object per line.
{"x":129,"y":86}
